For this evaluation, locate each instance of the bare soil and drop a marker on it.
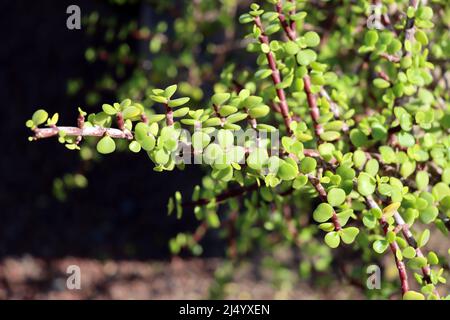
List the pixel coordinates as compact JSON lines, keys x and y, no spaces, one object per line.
{"x":34,"y":278}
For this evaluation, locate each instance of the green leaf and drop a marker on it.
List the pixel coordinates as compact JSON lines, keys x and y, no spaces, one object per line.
{"x":287,"y":171}
{"x":257,"y":158}
{"x":263,"y":73}
{"x":326,"y":150}
{"x":159,"y":99}
{"x":220,"y":98}
{"x":156,"y":118}
{"x":226,"y":110}
{"x":413,"y":295}
{"x":211,"y":122}
{"x":344,"y":216}
{"x":380,"y":246}
{"x":236,"y":117}
{"x":381,"y":83}
{"x":180,"y":112}
{"x":370,"y":38}
{"x":225,"y":138}
{"x":332,"y":239}
{"x":358,"y":138}
{"x":161,"y":156}
{"x":291,"y":48}
{"x":349,"y":234}
{"x":109,"y":109}
{"x":131,"y":112}
{"x":409,"y":252}
{"x":298,"y":16}
{"x":147,"y":142}
{"x":345,"y":173}
{"x":336,"y":197}
{"x":432,"y":258}
{"x":323,"y":212}
{"x":391,"y":209}
{"x":369,"y":221}
{"x":421,"y":37}
{"x":312,"y":39}
{"x":170,"y":90}
{"x":200,"y":140}
{"x":245,"y":18}
{"x":422,"y":180}
{"x":330,"y":135}
{"x":272,"y":28}
{"x":440,"y":190}
{"x":425,"y":13}
{"x":308,"y":165}
{"x":417,"y":262}
{"x":178,"y":201}
{"x":134,"y":146}
{"x":359,"y":158}
{"x":252,"y":101}
{"x":106,"y":145}
{"x":405,"y":139}
{"x":259,"y":111}
{"x":423,"y":238}
{"x":53,"y":120}
{"x":387,"y":154}
{"x":366,"y":184}
{"x":372,"y":167}
{"x":39,"y":117}
{"x":428,"y":215}
{"x":178,"y":102}
{"x":300,"y":181}
{"x":305,"y":57}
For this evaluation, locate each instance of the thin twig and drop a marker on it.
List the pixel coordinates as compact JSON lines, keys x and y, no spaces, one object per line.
{"x":41,"y":133}
{"x":276,"y":77}
{"x":393,"y":246}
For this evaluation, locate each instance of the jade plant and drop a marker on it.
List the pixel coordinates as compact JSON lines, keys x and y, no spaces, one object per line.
{"x":336,"y":138}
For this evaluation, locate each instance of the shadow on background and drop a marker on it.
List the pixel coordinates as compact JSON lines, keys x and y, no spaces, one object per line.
{"x":122,"y":213}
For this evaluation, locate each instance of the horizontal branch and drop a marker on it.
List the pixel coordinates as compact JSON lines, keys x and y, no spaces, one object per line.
{"x":42,"y":133}
{"x":223,"y":196}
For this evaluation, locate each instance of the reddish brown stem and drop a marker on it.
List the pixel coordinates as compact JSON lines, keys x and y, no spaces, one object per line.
{"x":426,"y":270}
{"x":80,"y":124}
{"x":276,"y":77}
{"x":223,"y":196}
{"x":217,"y":113}
{"x":389,"y":57}
{"x":290,"y":32}
{"x":293,"y":24}
{"x":323,"y":197}
{"x":120,"y":121}
{"x":313,"y":108}
{"x":169,"y":115}
{"x":144,"y":118}
{"x":394,"y":248}
{"x":400,"y":264}
{"x":200,"y":232}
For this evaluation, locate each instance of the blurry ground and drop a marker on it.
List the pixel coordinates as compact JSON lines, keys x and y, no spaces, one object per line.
{"x":32,"y":278}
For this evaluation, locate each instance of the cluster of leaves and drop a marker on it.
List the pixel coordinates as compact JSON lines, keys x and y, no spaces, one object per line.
{"x":132,"y":53}
{"x":372,"y":145}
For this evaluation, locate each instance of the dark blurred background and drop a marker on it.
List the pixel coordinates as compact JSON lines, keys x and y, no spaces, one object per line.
{"x":122,"y":212}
